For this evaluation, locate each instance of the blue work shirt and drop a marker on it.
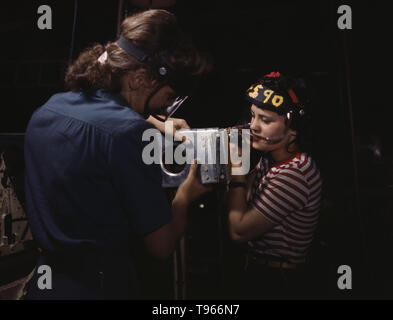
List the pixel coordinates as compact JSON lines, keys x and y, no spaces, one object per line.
{"x":88,"y":191}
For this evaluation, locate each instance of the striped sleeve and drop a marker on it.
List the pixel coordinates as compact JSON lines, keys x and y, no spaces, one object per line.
{"x":283,"y":193}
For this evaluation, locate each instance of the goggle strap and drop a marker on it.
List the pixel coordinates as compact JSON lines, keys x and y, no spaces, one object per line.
{"x":129,"y":47}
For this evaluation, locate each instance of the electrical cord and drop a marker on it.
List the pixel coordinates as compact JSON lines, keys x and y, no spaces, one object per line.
{"x":73,"y":31}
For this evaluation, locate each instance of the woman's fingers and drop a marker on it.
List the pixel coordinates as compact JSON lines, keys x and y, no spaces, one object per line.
{"x":179,"y":123}
{"x":193,"y":168}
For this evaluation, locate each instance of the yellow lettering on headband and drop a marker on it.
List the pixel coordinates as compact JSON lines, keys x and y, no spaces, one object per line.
{"x":267,"y":94}
{"x":254,"y":94}
{"x":277,"y":100}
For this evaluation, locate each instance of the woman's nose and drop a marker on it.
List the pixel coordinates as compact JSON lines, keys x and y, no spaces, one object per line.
{"x":253,"y":125}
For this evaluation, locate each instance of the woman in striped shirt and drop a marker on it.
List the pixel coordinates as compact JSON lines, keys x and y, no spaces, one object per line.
{"x":274,"y":209}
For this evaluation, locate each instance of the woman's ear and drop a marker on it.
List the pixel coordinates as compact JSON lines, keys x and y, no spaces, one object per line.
{"x":292,"y":132}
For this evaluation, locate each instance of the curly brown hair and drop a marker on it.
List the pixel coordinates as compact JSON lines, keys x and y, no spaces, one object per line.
{"x":156,"y":32}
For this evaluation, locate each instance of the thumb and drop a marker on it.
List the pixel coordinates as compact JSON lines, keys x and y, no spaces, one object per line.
{"x":193,"y":168}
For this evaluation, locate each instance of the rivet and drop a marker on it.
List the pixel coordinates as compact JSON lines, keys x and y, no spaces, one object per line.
{"x":162,"y":71}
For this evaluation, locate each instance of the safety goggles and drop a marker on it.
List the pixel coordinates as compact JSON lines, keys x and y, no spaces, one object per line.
{"x":168,"y":111}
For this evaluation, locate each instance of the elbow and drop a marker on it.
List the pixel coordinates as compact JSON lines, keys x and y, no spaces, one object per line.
{"x":234,"y":226}
{"x":236,"y":237}
{"x":162,"y":255}
{"x":161,"y":243}
{"x":163,"y":250}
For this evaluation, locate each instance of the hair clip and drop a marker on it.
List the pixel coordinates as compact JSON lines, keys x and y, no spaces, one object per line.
{"x":103,"y":57}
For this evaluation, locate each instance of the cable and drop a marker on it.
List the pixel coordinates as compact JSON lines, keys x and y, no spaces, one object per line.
{"x":73,"y":31}
{"x":120,"y":17}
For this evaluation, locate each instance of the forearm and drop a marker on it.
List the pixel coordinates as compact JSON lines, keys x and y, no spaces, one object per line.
{"x":179,"y":214}
{"x":250,"y":182}
{"x":160,"y":125}
{"x":237,"y":205}
{"x":162,"y":242}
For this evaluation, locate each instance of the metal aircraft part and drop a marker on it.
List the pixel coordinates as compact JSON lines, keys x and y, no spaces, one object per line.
{"x":209,"y":146}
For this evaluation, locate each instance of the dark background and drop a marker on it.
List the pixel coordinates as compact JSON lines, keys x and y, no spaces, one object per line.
{"x":345,"y":71}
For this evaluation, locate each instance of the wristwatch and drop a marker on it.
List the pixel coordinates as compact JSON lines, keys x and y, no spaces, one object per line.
{"x":235,"y":184}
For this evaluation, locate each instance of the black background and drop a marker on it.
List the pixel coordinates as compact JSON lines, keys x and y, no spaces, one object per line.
{"x":248,"y":39}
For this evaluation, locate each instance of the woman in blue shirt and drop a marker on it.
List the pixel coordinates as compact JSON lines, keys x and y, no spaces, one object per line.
{"x":90,"y":195}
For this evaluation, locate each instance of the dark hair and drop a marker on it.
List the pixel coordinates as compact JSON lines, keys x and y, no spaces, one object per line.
{"x":156,"y":33}
{"x":300,"y":123}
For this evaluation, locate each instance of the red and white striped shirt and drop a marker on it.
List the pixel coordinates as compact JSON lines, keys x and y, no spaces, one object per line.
{"x":287,"y":194}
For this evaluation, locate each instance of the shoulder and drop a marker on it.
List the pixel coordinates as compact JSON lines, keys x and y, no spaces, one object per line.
{"x":302,"y":169}
{"x":107,"y":111}
{"x":56,"y":101}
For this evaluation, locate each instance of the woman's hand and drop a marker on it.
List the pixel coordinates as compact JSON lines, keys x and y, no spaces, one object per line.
{"x":192,"y":188}
{"x":177,"y":124}
{"x":239,"y":178}
{"x":237,"y":172}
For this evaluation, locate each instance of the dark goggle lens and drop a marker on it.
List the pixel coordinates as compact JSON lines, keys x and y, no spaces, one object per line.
{"x":170,"y":110}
